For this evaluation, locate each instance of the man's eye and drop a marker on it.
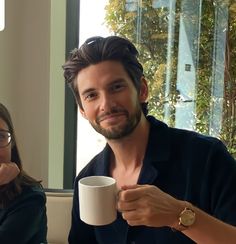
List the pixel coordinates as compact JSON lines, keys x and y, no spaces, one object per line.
{"x":90,"y":96}
{"x":117,"y":87}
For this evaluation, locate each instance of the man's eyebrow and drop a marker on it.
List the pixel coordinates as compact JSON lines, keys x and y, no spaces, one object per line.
{"x":87,"y":91}
{"x":117,"y":81}
{"x":112,"y":83}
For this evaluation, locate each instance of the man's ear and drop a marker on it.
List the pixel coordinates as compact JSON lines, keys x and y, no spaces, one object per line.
{"x":143,"y":94}
{"x":83,"y":113}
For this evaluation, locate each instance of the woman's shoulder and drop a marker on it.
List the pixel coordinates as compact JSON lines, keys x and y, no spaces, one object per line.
{"x":35,"y":192}
{"x":29,"y":196}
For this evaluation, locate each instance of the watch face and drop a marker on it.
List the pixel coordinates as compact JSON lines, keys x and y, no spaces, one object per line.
{"x":187,"y":217}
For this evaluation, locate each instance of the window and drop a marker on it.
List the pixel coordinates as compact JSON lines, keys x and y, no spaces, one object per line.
{"x":2,"y":15}
{"x":92,"y":23}
{"x":188,"y":50}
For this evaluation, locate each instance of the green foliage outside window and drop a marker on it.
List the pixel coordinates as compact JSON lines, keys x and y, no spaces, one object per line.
{"x":147,"y":27}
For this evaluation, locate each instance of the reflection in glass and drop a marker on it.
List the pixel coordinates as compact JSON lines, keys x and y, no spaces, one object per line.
{"x":188,"y":50}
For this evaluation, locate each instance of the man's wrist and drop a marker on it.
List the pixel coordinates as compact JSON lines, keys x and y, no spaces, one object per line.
{"x":185,"y":218}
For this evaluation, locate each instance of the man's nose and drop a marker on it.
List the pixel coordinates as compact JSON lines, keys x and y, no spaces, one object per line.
{"x":107,"y":102}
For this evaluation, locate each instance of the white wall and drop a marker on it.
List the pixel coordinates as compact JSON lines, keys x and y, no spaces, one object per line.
{"x":32,"y":50}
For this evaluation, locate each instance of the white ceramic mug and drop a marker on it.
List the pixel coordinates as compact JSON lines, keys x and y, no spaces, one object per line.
{"x":97,"y":200}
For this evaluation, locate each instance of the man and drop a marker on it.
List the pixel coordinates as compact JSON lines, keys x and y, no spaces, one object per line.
{"x":177,"y":186}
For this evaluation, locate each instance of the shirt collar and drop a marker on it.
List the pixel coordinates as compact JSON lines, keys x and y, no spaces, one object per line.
{"x":158,"y":151}
{"x":158,"y":147}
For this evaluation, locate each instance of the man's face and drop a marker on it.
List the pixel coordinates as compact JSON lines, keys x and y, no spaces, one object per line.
{"x":110,"y":101}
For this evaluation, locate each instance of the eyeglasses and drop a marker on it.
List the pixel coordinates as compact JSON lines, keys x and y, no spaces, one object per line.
{"x":5,"y":138}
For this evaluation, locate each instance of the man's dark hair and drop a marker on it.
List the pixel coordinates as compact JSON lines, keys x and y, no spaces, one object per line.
{"x":97,"y":49}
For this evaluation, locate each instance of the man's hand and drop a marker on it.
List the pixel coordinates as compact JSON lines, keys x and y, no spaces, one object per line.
{"x":8,"y":172}
{"x":148,"y":205}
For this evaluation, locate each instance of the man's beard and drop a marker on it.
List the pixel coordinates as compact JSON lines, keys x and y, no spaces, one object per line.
{"x":119,"y":131}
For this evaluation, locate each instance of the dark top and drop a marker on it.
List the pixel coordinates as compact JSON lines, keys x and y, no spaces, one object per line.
{"x":184,"y":164}
{"x":24,"y":221}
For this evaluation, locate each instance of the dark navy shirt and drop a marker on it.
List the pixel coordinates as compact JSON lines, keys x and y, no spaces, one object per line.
{"x":184,"y":164}
{"x":24,"y":221}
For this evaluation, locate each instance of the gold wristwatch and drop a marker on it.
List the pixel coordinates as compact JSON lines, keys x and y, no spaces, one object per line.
{"x":186,"y":218}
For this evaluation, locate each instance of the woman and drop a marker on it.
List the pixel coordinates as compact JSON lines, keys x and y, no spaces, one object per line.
{"x":22,"y":199}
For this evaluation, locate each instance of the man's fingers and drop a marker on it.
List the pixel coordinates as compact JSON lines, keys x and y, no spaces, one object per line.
{"x":131,"y":193}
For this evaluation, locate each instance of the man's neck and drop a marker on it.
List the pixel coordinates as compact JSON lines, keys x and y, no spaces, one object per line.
{"x":129,"y":151}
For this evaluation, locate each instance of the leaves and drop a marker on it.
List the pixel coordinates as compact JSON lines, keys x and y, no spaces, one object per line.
{"x":148,"y":28}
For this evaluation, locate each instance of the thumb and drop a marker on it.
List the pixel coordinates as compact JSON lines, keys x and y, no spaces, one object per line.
{"x":127,"y":187}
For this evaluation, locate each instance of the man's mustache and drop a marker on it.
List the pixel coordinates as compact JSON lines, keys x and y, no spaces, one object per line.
{"x":111,"y":112}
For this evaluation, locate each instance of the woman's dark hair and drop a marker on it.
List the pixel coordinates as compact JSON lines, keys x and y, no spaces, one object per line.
{"x":97,"y":49}
{"x":9,"y":191}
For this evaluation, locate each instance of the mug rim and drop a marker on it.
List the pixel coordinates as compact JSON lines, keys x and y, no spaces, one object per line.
{"x":85,"y":181}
